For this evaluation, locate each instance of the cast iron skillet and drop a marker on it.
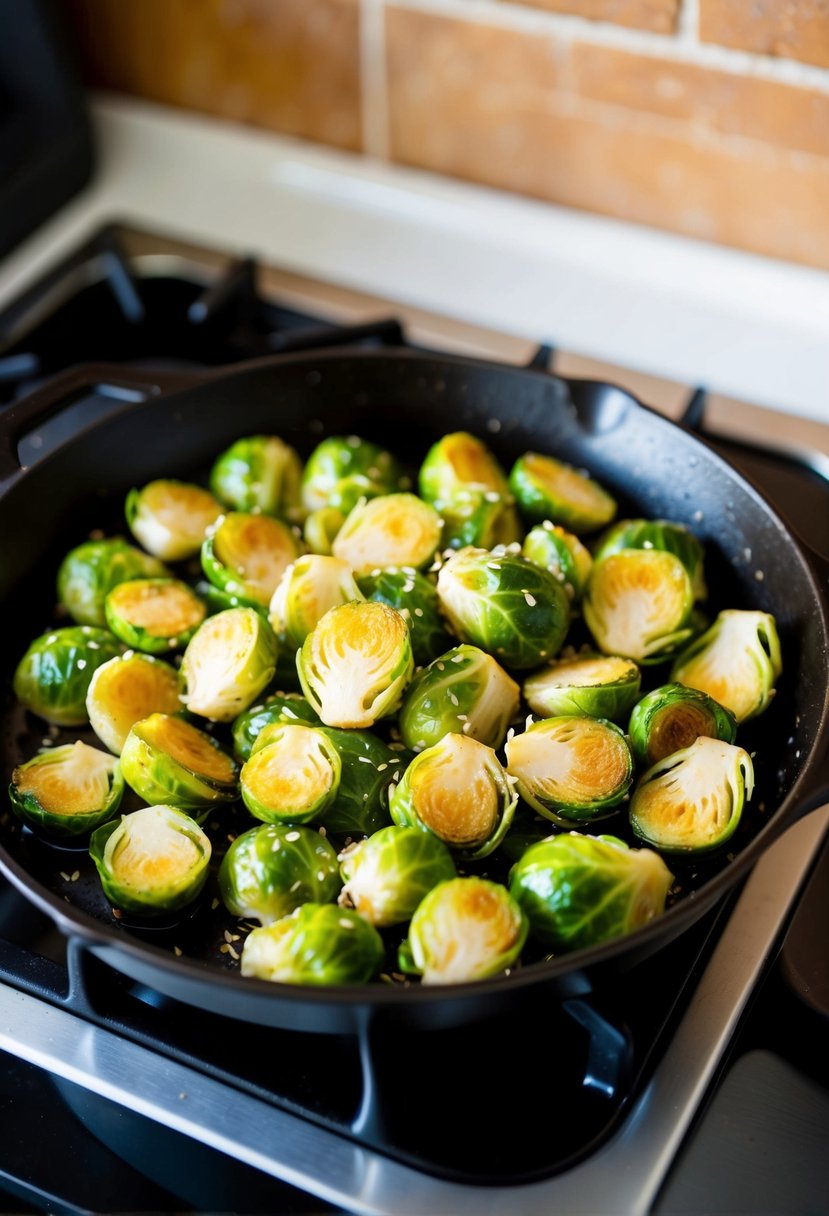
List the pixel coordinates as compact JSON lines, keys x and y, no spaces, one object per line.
{"x":405,"y":400}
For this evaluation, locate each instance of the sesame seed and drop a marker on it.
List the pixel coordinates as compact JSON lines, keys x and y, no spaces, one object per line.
{"x":177,"y":953}
{"x":466,"y":728}
{"x":510,"y":734}
{"x":76,"y":873}
{"x":321,"y":875}
{"x":418,"y":612}
{"x":64,"y":876}
{"x":234,"y":954}
{"x":409,"y":586}
{"x":214,"y":904}
{"x":322,"y":831}
{"x":530,"y":599}
{"x":458,"y":658}
{"x":295,"y":887}
{"x":462,"y":717}
{"x":93,"y":646}
{"x":346,"y":923}
{"x":492,"y":496}
{"x":493,"y":425}
{"x":381,"y":768}
{"x":81,"y":664}
{"x":364,"y":760}
{"x":758,"y":574}
{"x":453,"y":699}
{"x":292,"y":836}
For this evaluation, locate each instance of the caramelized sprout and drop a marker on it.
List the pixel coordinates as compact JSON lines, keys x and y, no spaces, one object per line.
{"x":603,"y":686}
{"x":737,"y":662}
{"x":463,"y":692}
{"x":170,"y":518}
{"x":308,"y":588}
{"x":272,"y":869}
{"x":126,"y":689}
{"x":282,"y":708}
{"x":387,"y":875}
{"x":546,"y":488}
{"x":246,"y":556}
{"x":660,"y":534}
{"x":259,"y":474}
{"x":165,"y":757}
{"x":67,"y":791}
{"x":316,"y":944}
{"x":293,"y":777}
{"x":89,"y":572}
{"x":151,"y":862}
{"x":229,"y":660}
{"x":393,"y":530}
{"x":638,"y":604}
{"x":671,"y":717}
{"x":53,"y":677}
{"x":465,"y":483}
{"x":154,"y":614}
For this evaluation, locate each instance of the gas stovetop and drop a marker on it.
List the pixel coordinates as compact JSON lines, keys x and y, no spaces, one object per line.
{"x":367,"y":1124}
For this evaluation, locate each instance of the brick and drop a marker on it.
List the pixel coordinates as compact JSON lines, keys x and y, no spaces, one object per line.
{"x":790,"y":29}
{"x":789,"y":116}
{"x":540,"y":141}
{"x":658,"y":16}
{"x":288,"y":65}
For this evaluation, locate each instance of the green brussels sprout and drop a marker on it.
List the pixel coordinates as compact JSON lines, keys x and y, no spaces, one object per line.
{"x":355,"y":665}
{"x":737,"y":662}
{"x":463,"y":692}
{"x":547,"y":488}
{"x":292,"y":777}
{"x":416,"y":599}
{"x":660,"y":534}
{"x":151,"y":862}
{"x":53,"y":677}
{"x":126,"y":689}
{"x":465,"y":929}
{"x":88,"y":573}
{"x":259,"y":474}
{"x":170,"y":518}
{"x":671,"y":717}
{"x":343,"y":469}
{"x":462,"y":479}
{"x":282,"y":708}
{"x":154,"y":614}
{"x":578,"y":891}
{"x":166,"y":757}
{"x":321,"y":528}
{"x":638,"y":604}
{"x":273,"y":868}
{"x":603,"y":686}
{"x":316,"y":944}
{"x":246,"y":556}
{"x":67,"y":791}
{"x":458,"y":791}
{"x":392,"y":530}
{"x":692,"y":800}
{"x":571,"y":769}
{"x":308,"y":588}
{"x":483,"y":518}
{"x":229,"y":660}
{"x":388,"y":874}
{"x":562,"y":553}
{"x":506,"y":605}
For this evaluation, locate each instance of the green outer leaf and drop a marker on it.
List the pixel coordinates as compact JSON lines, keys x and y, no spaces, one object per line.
{"x":483,"y":518}
{"x":566,"y":811}
{"x":28,"y":807}
{"x":343,"y":469}
{"x":562,"y":553}
{"x":612,"y":699}
{"x":662,"y":534}
{"x":505,"y":604}
{"x":298,"y":812}
{"x":699,"y":782}
{"x":91,"y":570}
{"x":141,"y":639}
{"x":259,"y":473}
{"x":658,"y":717}
{"x":751,"y":636}
{"x":254,"y":670}
{"x":388,"y":874}
{"x":278,"y":709}
{"x":539,"y":500}
{"x":452,"y":912}
{"x":184,"y":891}
{"x":580,"y":890}
{"x":273,"y":868}
{"x":316,"y":944}
{"x":464,"y":691}
{"x":416,"y":599}
{"x":161,"y":780}
{"x":53,"y":677}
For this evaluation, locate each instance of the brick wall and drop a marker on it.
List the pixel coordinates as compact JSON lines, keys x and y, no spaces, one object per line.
{"x":705,"y":117}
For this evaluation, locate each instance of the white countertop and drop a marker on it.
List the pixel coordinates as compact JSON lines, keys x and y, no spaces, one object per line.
{"x":745,"y":326}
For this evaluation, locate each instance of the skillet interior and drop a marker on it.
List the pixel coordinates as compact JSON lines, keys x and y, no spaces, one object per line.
{"x":405,"y":401}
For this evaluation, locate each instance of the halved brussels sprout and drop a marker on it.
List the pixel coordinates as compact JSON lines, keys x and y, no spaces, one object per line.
{"x":229,"y":660}
{"x":671,"y":717}
{"x":316,"y":944}
{"x":89,"y":572}
{"x":246,"y":556}
{"x":547,"y":488}
{"x":170,"y":518}
{"x":603,"y":686}
{"x":293,"y":777}
{"x":638,"y":604}
{"x":308,"y":588}
{"x":416,"y":599}
{"x":53,"y":677}
{"x":151,"y":862}
{"x":463,"y":692}
{"x":571,"y":769}
{"x":282,"y":708}
{"x":506,"y":605}
{"x":154,"y":614}
{"x":126,"y":689}
{"x":562,"y":553}
{"x":67,"y":791}
{"x":259,"y":474}
{"x":165,"y":757}
{"x":465,"y":929}
{"x":355,"y":665}
{"x":692,"y":800}
{"x":737,"y":662}
{"x":458,"y":791}
{"x":578,"y":891}
{"x":462,"y":479}
{"x":392,"y":530}
{"x":343,"y":469}
{"x":321,"y":528}
{"x":662,"y":534}
{"x":272,"y":869}
{"x":388,"y":874}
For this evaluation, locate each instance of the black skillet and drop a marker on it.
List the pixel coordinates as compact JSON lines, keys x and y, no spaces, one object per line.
{"x":174,"y":426}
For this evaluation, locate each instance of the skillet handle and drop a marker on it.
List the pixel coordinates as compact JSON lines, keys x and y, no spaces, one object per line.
{"x":127,"y":384}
